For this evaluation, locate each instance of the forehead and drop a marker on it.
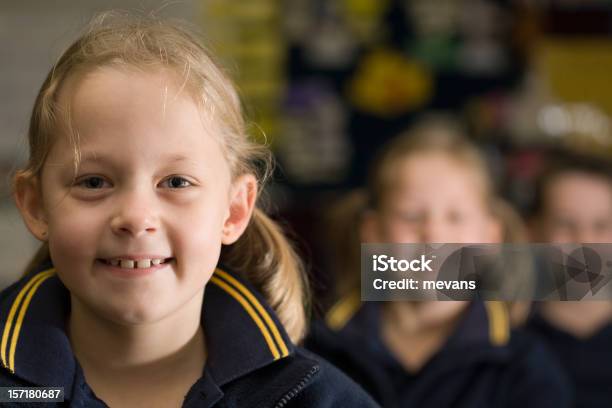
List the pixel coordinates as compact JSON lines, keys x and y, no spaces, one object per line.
{"x":436,"y":180}
{"x":579,"y":192}
{"x":115,"y":111}
{"x":125,"y":95}
{"x":437,"y":173}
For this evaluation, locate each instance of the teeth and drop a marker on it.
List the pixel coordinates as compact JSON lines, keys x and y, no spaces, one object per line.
{"x":132,"y":264}
{"x":143,"y":263}
{"x":127,"y":263}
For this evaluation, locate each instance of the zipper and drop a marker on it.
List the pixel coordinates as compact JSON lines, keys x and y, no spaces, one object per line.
{"x":298,"y":387}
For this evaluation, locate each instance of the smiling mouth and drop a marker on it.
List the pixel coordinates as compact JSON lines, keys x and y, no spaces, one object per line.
{"x":135,"y":264}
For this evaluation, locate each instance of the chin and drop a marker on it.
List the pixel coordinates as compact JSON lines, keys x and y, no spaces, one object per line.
{"x":134,"y":314}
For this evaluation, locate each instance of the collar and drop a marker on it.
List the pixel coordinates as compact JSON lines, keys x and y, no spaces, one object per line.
{"x":242,"y":332}
{"x":554,"y":334}
{"x":481,"y":336}
{"x":483,"y":322}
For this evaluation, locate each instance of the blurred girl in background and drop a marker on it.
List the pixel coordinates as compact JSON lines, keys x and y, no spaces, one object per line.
{"x":574,"y":205}
{"x":432,"y":186}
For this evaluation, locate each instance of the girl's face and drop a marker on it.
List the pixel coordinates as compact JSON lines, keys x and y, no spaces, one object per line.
{"x":153,"y":184}
{"x":578,"y":208}
{"x":434,"y":199}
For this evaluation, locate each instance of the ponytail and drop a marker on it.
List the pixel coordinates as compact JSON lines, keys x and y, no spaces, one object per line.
{"x":515,"y":232}
{"x":344,"y":221}
{"x":264,"y":256}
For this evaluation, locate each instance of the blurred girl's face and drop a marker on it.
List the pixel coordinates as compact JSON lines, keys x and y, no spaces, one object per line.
{"x":434,"y":199}
{"x":578,"y":209}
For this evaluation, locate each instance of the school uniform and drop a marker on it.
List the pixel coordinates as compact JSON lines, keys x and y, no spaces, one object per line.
{"x":251,"y":362}
{"x":588,"y":362}
{"x":482,"y":364}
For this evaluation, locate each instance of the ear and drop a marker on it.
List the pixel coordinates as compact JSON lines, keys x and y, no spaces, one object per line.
{"x":29,"y":202}
{"x":370,"y":228}
{"x":243,"y":195}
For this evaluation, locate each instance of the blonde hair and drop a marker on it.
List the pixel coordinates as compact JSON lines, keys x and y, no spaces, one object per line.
{"x":345,"y":218}
{"x":515,"y":232}
{"x":262,"y":255}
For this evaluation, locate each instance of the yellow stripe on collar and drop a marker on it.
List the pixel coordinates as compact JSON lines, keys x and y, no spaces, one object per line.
{"x":339,"y":315}
{"x":262,"y":312}
{"x":249,"y":302}
{"x":28,"y":292}
{"x":499,"y":322}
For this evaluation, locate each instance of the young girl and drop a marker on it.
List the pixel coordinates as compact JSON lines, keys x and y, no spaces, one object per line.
{"x":432,"y":186}
{"x":140,"y":170}
{"x":574,"y":205}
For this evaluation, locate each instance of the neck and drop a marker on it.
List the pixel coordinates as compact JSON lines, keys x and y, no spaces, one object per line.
{"x":422,"y":318}
{"x":581,"y":319}
{"x":118,"y":359}
{"x":415,"y":331}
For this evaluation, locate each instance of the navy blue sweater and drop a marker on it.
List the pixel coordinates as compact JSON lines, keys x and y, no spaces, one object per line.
{"x":482,"y":364}
{"x":588,"y":362}
{"x":250,"y":360}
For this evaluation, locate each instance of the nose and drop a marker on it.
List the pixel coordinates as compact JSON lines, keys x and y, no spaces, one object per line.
{"x":433,"y":230}
{"x":136,"y":214}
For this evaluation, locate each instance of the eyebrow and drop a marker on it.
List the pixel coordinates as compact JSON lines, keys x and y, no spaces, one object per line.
{"x":93,"y":157}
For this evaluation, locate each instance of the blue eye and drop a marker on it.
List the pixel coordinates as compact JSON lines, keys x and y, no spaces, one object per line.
{"x":93,"y":183}
{"x":177,"y":182}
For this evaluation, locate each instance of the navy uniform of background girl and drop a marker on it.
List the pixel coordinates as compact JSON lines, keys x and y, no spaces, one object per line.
{"x":431,"y":185}
{"x":573,"y":204}
{"x":140,"y":170}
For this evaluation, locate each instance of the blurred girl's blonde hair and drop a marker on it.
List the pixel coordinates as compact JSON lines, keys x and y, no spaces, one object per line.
{"x":262,"y":255}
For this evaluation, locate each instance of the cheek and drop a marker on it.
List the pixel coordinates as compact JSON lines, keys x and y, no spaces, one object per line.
{"x":400,"y":232}
{"x":73,"y":232}
{"x":605,"y":233}
{"x":478,"y":230}
{"x":72,"y":246}
{"x":201,"y":220}
{"x":197,"y":232}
